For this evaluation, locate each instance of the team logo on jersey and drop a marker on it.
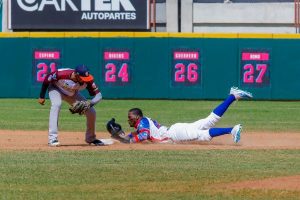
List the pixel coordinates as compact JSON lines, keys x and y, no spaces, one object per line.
{"x":52,"y":77}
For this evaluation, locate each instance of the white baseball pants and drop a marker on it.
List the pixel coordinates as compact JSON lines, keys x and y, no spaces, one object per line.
{"x":198,"y":130}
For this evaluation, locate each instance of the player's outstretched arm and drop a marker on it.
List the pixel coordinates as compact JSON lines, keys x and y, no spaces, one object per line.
{"x":116,"y":131}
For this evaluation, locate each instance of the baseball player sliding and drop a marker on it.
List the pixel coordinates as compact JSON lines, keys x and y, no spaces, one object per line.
{"x":65,"y":84}
{"x":201,"y":130}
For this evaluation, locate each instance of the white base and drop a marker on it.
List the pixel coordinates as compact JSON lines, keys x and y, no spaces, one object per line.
{"x":107,"y":141}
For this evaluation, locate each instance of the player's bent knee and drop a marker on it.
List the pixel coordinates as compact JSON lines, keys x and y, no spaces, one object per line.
{"x":211,"y":121}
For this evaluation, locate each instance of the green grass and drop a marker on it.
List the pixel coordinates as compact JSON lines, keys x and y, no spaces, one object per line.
{"x":142,"y":174}
{"x":274,"y":116}
{"x":100,"y":174}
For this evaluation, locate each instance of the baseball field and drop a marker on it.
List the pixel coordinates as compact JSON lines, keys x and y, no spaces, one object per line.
{"x":264,"y":165}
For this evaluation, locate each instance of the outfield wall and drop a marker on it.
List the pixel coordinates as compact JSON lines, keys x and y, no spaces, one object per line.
{"x":156,"y":65}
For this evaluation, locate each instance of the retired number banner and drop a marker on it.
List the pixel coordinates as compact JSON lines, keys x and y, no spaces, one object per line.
{"x":186,"y":67}
{"x":45,"y":61}
{"x":255,"y":67}
{"x":116,"y":67}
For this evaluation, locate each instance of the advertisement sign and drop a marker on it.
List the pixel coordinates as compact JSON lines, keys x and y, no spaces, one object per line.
{"x":79,"y":14}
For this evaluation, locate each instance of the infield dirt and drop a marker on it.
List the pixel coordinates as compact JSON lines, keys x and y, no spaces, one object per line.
{"x":37,"y":141}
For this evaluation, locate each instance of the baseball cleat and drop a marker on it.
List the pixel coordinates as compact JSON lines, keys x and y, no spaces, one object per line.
{"x":54,"y":143}
{"x":240,"y":94}
{"x":236,"y":133}
{"x":97,"y":142}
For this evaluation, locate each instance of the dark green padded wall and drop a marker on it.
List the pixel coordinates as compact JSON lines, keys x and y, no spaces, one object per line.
{"x":151,"y":65}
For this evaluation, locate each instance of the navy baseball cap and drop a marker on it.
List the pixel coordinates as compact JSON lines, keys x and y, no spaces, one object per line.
{"x":84,"y":73}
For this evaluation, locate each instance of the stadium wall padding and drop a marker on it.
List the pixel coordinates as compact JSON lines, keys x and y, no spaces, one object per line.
{"x":151,"y":65}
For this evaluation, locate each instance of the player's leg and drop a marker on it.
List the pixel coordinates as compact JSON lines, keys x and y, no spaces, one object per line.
{"x":218,"y":112}
{"x":235,"y":94}
{"x":56,"y":101}
{"x":90,"y":134}
{"x":215,"y":116}
{"x":234,"y":131}
{"x":188,"y":132}
{"x":221,"y":108}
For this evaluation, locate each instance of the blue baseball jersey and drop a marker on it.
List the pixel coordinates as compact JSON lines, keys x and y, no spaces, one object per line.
{"x":148,"y":129}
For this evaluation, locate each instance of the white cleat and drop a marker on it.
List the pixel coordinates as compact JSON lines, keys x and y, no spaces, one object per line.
{"x":54,"y":143}
{"x":240,"y":94}
{"x":236,"y":133}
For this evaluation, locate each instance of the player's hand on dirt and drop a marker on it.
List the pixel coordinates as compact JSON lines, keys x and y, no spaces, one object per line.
{"x":41,"y":101}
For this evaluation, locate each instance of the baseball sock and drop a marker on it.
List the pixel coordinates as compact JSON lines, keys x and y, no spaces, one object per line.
{"x":214,"y":132}
{"x":221,"y":109}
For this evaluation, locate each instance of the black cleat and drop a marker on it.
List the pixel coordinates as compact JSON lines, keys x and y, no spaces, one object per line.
{"x":97,"y":142}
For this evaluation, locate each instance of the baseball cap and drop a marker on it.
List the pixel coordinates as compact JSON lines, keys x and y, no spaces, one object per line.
{"x":83,"y":73}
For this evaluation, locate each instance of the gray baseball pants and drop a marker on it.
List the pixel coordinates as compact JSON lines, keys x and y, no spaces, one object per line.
{"x":56,"y":97}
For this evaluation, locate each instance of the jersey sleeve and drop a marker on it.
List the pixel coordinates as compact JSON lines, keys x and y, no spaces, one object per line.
{"x":51,"y":77}
{"x":54,"y":76}
{"x":142,"y":132}
{"x":92,"y":88}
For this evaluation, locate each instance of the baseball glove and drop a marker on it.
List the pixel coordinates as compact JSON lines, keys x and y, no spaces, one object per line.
{"x":116,"y":131}
{"x":80,"y":107}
